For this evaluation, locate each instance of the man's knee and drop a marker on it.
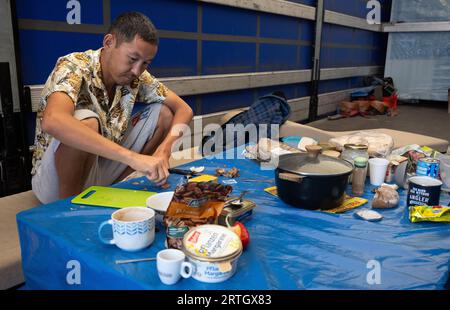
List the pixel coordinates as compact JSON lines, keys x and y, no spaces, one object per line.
{"x":91,"y":123}
{"x":64,"y":150}
{"x":165,"y":117}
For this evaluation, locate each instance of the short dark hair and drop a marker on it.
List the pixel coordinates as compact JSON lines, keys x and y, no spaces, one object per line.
{"x":127,"y":25}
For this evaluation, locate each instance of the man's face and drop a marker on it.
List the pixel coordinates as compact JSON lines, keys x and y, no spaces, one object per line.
{"x":128,"y":61}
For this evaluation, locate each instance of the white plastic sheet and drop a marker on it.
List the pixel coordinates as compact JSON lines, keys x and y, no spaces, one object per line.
{"x":420,"y":62}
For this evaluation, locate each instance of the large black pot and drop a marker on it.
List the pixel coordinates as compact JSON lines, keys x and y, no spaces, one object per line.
{"x":311,"y":180}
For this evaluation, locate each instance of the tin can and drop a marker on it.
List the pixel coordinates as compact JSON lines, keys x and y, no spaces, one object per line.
{"x":428,"y":167}
{"x":423,"y":191}
{"x":232,"y":213}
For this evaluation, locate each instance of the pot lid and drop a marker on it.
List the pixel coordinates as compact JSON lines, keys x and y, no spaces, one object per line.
{"x":314,"y":164}
{"x":211,"y":243}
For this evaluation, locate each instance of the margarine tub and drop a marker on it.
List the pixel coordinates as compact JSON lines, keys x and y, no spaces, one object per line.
{"x":213,"y":251}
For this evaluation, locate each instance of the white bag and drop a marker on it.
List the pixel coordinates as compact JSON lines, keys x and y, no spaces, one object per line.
{"x":380,"y":144}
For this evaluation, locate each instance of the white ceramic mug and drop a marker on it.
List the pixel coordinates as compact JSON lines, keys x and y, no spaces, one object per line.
{"x":171,"y":265}
{"x":133,"y":228}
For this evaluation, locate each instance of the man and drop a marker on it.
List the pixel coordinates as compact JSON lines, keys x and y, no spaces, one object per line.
{"x":85,"y":134}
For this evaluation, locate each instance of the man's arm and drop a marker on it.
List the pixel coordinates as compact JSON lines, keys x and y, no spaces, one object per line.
{"x":182,"y":114}
{"x":58,"y":121}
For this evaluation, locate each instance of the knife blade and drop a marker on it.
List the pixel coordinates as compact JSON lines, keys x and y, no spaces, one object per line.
{"x":182,"y":171}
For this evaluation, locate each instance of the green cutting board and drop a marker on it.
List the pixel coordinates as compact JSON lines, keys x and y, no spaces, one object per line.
{"x":112,"y":197}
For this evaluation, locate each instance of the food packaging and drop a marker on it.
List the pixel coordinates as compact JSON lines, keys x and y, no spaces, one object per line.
{"x":429,"y":214}
{"x":385,"y":198}
{"x":213,"y":251}
{"x":193,"y":204}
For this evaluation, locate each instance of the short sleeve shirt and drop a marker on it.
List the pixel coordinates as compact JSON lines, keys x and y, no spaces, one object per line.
{"x":79,"y":76}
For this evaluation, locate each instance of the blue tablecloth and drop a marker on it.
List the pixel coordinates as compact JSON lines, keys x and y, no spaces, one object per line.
{"x":290,"y":248}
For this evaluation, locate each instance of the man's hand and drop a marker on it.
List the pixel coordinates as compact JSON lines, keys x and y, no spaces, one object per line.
{"x":164,"y":153}
{"x":154,"y":167}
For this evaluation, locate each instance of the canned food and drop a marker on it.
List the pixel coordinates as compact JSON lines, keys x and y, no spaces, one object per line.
{"x":428,"y":167}
{"x":232,"y":212}
{"x":423,"y":191}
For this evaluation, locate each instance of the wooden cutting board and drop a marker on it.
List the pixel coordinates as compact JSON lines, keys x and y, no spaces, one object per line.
{"x":112,"y":197}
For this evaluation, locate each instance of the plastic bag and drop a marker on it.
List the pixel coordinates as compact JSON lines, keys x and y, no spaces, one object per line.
{"x":385,"y":198}
{"x":193,"y":204}
{"x":266,"y":149}
{"x":380,"y":144}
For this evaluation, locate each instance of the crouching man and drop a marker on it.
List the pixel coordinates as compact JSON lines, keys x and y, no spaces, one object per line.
{"x":85,"y":131}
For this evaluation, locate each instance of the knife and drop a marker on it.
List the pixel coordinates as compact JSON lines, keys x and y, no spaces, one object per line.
{"x":182,"y":171}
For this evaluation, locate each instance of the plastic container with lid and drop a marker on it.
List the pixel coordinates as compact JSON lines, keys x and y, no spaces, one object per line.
{"x":213,"y":251}
{"x":351,"y":151}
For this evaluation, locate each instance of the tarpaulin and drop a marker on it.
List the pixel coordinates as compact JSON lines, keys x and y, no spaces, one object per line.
{"x":290,"y":248}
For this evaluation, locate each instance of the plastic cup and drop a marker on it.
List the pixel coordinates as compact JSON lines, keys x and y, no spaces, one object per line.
{"x":378,"y":168}
{"x":445,"y":172}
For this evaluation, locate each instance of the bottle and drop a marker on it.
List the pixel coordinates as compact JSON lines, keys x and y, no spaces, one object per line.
{"x":359,"y":176}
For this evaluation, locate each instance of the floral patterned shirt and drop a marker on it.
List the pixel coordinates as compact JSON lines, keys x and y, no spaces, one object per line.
{"x":79,"y":76}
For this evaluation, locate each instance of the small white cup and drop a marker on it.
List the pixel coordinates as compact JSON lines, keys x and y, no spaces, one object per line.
{"x":133,"y":228}
{"x":378,"y":168}
{"x":171,"y":265}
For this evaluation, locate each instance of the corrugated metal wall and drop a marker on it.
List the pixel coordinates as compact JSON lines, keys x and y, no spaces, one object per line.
{"x":420,"y":62}
{"x":199,"y":38}
{"x":348,"y":47}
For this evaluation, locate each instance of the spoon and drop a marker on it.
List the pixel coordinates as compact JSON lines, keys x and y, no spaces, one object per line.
{"x":238,"y":201}
{"x":126,"y":261}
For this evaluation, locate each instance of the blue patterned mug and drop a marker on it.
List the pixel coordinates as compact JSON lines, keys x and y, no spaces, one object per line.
{"x":133,"y":228}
